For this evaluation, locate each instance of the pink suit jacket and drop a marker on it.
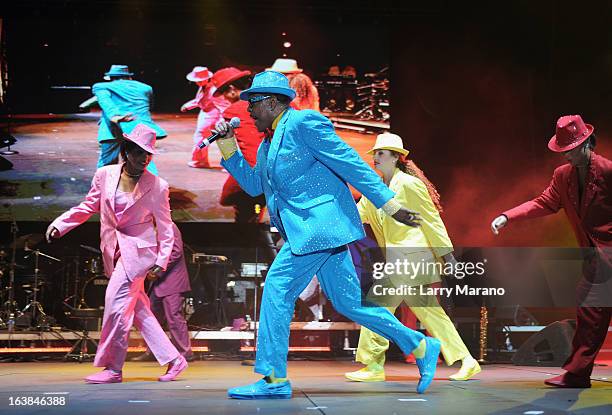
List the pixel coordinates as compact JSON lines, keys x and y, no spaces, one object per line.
{"x":144,"y":231}
{"x":204,"y":99}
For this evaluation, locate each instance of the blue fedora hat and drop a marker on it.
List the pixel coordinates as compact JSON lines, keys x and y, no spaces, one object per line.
{"x":269,"y":82}
{"x":118,"y":70}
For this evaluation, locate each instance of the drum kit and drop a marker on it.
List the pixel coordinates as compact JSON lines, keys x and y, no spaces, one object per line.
{"x":27,"y":289}
{"x":24,"y":285}
{"x":365,"y":99}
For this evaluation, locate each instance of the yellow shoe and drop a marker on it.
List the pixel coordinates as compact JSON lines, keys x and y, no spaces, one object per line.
{"x":371,"y":373}
{"x":468,"y":370}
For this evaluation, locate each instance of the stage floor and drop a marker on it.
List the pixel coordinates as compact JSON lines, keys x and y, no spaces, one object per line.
{"x":319,"y":387}
{"x":58,"y":156}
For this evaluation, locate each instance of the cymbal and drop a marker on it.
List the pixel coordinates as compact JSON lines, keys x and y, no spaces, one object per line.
{"x":30,"y":286}
{"x":91,"y":249}
{"x":23,"y":278}
{"x":30,"y":239}
{"x":6,"y":266}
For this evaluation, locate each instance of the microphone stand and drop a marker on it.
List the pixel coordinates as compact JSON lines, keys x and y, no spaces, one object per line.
{"x":10,"y":305}
{"x":34,"y":304}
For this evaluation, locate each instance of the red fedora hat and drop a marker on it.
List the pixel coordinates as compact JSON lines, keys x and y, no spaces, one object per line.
{"x":570,"y":133}
{"x":226,"y":75}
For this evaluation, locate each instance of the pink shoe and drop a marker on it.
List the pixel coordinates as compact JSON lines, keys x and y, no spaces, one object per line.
{"x":174,"y":370}
{"x":106,"y":376}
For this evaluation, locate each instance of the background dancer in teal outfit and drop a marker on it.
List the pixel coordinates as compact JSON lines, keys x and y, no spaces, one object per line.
{"x":125,"y":103}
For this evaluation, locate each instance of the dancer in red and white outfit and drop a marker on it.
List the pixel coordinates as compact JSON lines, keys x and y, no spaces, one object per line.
{"x":211,"y":110}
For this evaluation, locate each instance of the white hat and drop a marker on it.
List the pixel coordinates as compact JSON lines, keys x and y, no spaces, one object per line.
{"x":388,"y":141}
{"x":285,"y":66}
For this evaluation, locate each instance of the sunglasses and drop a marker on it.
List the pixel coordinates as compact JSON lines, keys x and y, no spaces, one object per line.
{"x":255,"y":100}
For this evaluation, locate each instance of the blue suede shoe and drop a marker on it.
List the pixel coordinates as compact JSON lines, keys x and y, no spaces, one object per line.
{"x":262,"y":390}
{"x":427,"y":365}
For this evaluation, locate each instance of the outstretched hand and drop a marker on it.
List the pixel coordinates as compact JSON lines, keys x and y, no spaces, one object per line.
{"x":408,"y":217}
{"x":498,"y":223}
{"x":52,"y":233}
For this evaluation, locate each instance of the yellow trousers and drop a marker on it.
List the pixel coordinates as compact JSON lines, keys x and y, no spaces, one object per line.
{"x":372,"y":347}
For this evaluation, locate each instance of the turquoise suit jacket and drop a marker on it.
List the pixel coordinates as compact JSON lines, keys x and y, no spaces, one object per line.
{"x":121,"y":97}
{"x":303,"y":173}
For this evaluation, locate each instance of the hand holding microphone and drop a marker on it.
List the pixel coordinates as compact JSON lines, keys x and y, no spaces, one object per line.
{"x":223,"y":129}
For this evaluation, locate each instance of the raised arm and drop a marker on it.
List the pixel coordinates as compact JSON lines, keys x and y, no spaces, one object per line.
{"x":249,"y":178}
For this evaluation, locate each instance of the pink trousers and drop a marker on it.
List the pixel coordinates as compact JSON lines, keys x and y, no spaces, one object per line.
{"x":126,"y":303}
{"x":206,"y":122}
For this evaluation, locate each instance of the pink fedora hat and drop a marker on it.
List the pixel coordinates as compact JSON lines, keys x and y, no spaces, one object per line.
{"x":199,"y":73}
{"x":570,"y":133}
{"x":144,"y":137}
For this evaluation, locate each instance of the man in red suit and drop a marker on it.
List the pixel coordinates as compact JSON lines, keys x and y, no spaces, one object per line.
{"x":166,"y":295}
{"x":583,"y":189}
{"x":229,"y":83}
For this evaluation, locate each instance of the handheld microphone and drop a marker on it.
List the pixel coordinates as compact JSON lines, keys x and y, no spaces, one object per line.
{"x":234,"y":122}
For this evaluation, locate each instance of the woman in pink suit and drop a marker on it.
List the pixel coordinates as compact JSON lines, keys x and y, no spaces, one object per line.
{"x":136,"y":240}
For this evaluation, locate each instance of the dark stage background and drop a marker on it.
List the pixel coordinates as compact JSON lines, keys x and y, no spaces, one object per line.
{"x":476,"y":94}
{"x":476,"y":89}
{"x":161,"y":41}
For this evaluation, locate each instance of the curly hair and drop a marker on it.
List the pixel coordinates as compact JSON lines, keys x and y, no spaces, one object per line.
{"x":307,"y":96}
{"x":409,"y":167}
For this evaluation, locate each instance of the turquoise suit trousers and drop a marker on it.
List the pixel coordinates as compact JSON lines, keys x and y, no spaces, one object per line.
{"x":287,"y":278}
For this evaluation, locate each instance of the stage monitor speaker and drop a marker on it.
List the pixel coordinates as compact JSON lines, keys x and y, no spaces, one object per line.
{"x":5,"y":164}
{"x":551,"y":346}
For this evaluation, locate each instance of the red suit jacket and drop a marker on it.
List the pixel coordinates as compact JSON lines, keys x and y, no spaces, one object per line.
{"x":248,"y":139}
{"x":591,"y":217}
{"x":144,"y":232}
{"x":176,"y":279}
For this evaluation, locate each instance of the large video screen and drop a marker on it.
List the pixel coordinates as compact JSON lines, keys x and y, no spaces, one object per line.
{"x":57,"y":137}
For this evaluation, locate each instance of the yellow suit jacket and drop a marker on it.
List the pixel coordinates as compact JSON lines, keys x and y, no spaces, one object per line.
{"x":429,"y":241}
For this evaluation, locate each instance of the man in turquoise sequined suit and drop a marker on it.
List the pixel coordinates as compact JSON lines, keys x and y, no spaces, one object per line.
{"x":303,"y":169}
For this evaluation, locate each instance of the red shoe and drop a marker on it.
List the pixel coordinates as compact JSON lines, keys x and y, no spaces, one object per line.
{"x":569,"y":380}
{"x":410,"y":359}
{"x":106,"y":376}
{"x":174,"y":370}
{"x":199,"y":165}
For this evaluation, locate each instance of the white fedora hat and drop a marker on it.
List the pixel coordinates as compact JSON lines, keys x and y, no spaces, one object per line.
{"x":389,"y":141}
{"x":285,"y":66}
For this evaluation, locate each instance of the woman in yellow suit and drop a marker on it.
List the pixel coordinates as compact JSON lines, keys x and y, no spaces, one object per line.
{"x":428,"y":243}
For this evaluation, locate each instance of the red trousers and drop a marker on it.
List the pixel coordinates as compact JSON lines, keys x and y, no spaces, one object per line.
{"x":591,"y":329}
